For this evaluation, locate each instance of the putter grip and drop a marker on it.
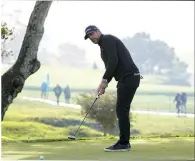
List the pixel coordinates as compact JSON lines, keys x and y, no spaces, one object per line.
{"x":98,"y":95}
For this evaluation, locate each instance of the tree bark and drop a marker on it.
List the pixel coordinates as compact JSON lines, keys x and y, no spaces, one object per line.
{"x":26,"y":64}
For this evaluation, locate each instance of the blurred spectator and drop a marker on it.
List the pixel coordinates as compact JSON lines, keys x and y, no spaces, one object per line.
{"x":44,"y":90}
{"x":184,"y":101}
{"x":178,"y":101}
{"x":67,"y":94}
{"x":58,"y":91}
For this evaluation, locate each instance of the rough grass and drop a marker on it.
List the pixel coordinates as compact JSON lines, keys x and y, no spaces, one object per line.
{"x":35,"y":131}
{"x":25,"y":120}
{"x":31,"y":130}
{"x":147,"y":150}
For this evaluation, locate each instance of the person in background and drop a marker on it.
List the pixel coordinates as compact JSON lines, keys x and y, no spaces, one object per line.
{"x":184,"y":101}
{"x":67,"y":94}
{"x":58,"y":91}
{"x":178,"y":101}
{"x":47,"y":81}
{"x":44,"y":90}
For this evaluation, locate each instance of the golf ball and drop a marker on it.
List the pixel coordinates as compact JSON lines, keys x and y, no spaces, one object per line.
{"x":41,"y":158}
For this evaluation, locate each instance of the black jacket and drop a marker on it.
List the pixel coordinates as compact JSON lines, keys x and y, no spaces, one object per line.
{"x":116,"y":57}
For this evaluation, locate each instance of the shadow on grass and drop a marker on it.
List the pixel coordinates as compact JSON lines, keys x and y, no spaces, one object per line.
{"x":65,"y":122}
{"x":73,"y":122}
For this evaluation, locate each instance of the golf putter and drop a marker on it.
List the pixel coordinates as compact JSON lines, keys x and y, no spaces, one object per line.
{"x":73,"y":137}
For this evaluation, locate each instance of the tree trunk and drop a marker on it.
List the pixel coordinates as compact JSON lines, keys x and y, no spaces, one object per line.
{"x":26,"y":64}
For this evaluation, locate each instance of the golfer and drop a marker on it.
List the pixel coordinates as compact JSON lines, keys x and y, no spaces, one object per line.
{"x":119,"y":64}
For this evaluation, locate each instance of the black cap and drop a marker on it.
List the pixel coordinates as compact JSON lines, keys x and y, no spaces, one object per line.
{"x":90,"y":29}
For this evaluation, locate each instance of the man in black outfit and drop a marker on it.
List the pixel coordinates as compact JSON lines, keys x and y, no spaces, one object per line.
{"x":119,"y":64}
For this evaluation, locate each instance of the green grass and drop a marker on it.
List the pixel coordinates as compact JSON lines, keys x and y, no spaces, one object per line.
{"x":159,"y":103}
{"x":23,"y":122}
{"x":37,"y":94}
{"x":27,"y":120}
{"x":89,"y":79}
{"x":31,"y":130}
{"x":70,"y":76}
{"x":23,"y":110}
{"x":147,"y":150}
{"x":151,"y":124}
{"x":140,"y":102}
{"x":38,"y":131}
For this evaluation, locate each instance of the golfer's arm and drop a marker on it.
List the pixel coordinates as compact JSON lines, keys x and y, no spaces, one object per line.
{"x":111,"y":52}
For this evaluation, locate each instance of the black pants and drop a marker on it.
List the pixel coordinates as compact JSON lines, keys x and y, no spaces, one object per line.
{"x":126,"y":89}
{"x":58,"y":98}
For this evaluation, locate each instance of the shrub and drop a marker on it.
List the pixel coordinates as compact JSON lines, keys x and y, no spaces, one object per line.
{"x":104,"y":110}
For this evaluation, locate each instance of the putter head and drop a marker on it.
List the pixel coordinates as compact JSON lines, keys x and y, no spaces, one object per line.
{"x":71,"y":137}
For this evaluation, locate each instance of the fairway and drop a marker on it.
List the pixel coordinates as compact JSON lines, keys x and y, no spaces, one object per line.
{"x":63,"y":77}
{"x":140,"y":102}
{"x":153,"y":150}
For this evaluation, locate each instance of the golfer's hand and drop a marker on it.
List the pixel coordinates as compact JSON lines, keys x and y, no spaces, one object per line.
{"x":103,"y":85}
{"x":101,"y":92}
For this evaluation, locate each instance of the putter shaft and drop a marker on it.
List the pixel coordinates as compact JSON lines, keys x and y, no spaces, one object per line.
{"x":87,"y":114}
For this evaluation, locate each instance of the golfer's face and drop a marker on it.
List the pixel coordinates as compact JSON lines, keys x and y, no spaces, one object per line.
{"x":94,"y":37}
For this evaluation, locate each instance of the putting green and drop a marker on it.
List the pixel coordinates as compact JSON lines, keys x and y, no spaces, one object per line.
{"x":155,"y":149}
